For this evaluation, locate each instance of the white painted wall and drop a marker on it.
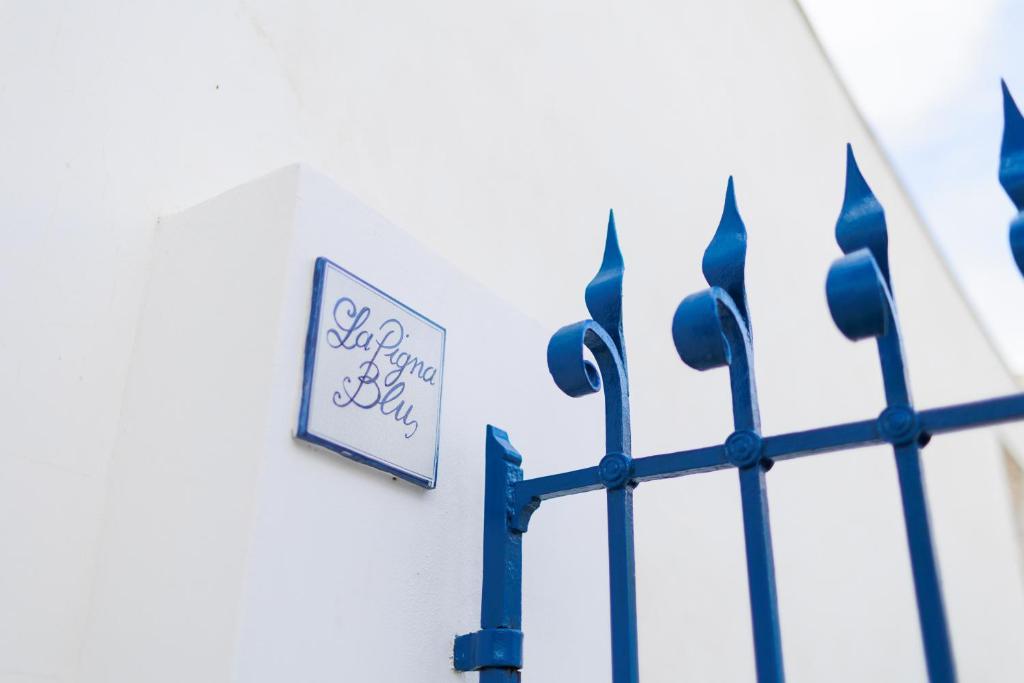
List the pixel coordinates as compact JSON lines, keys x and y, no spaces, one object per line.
{"x":498,"y":136}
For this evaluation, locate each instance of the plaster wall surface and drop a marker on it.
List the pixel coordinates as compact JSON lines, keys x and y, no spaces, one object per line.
{"x":497,"y":136}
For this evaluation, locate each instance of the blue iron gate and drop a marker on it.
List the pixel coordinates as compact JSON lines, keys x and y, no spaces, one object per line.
{"x":712,"y":329}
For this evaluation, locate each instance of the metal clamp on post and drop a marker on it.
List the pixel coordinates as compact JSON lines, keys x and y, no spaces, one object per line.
{"x":489,"y":648}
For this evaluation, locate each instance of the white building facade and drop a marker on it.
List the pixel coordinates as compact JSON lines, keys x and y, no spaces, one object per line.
{"x":172,"y":171}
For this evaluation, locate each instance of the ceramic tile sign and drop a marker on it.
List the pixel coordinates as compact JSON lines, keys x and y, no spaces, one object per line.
{"x":372,"y":383}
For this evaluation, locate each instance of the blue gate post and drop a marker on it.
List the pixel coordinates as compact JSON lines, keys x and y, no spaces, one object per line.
{"x":496,"y":650}
{"x":576,"y":376}
{"x":711,"y":329}
{"x":859,"y":293}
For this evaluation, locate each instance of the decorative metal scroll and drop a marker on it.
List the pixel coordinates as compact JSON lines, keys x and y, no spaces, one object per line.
{"x":712,"y":329}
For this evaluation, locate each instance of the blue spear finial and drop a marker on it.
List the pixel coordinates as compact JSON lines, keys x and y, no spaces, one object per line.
{"x":604,"y":293}
{"x":861,"y":221}
{"x":726,"y":255}
{"x":1011,"y":161}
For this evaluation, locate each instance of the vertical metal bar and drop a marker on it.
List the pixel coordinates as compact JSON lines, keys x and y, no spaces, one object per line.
{"x":622,"y":580}
{"x":761,"y":576}
{"x":899,"y":423}
{"x":711,"y":329}
{"x":576,"y":376}
{"x":861,"y":299}
{"x":746,"y":446}
{"x":501,"y":597}
{"x":743,"y":447}
{"x":927,"y":585}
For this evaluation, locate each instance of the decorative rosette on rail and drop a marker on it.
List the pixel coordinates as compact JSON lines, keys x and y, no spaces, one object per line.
{"x":1011,"y":171}
{"x":712,"y":328}
{"x":858,"y":288}
{"x":574,"y":373}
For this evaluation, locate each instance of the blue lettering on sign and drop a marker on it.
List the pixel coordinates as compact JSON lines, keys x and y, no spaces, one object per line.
{"x":375,"y":388}
{"x":372,"y":377}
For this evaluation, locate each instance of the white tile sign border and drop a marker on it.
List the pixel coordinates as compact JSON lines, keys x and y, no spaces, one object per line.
{"x":371,"y":384}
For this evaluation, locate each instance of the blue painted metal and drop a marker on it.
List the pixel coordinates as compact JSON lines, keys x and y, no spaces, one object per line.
{"x":712,"y":329}
{"x":491,"y":648}
{"x":1011,"y":170}
{"x":863,"y":309}
{"x":577,"y":376}
{"x":496,"y":650}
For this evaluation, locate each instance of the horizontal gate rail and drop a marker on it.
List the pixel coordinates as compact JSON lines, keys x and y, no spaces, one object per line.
{"x":987,"y":413}
{"x":712,"y":329}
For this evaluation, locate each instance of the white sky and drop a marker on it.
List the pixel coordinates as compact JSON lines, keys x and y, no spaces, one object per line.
{"x":925,"y":73}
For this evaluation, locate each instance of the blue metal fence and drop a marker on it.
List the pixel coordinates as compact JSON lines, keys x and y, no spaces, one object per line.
{"x":712,"y":329}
